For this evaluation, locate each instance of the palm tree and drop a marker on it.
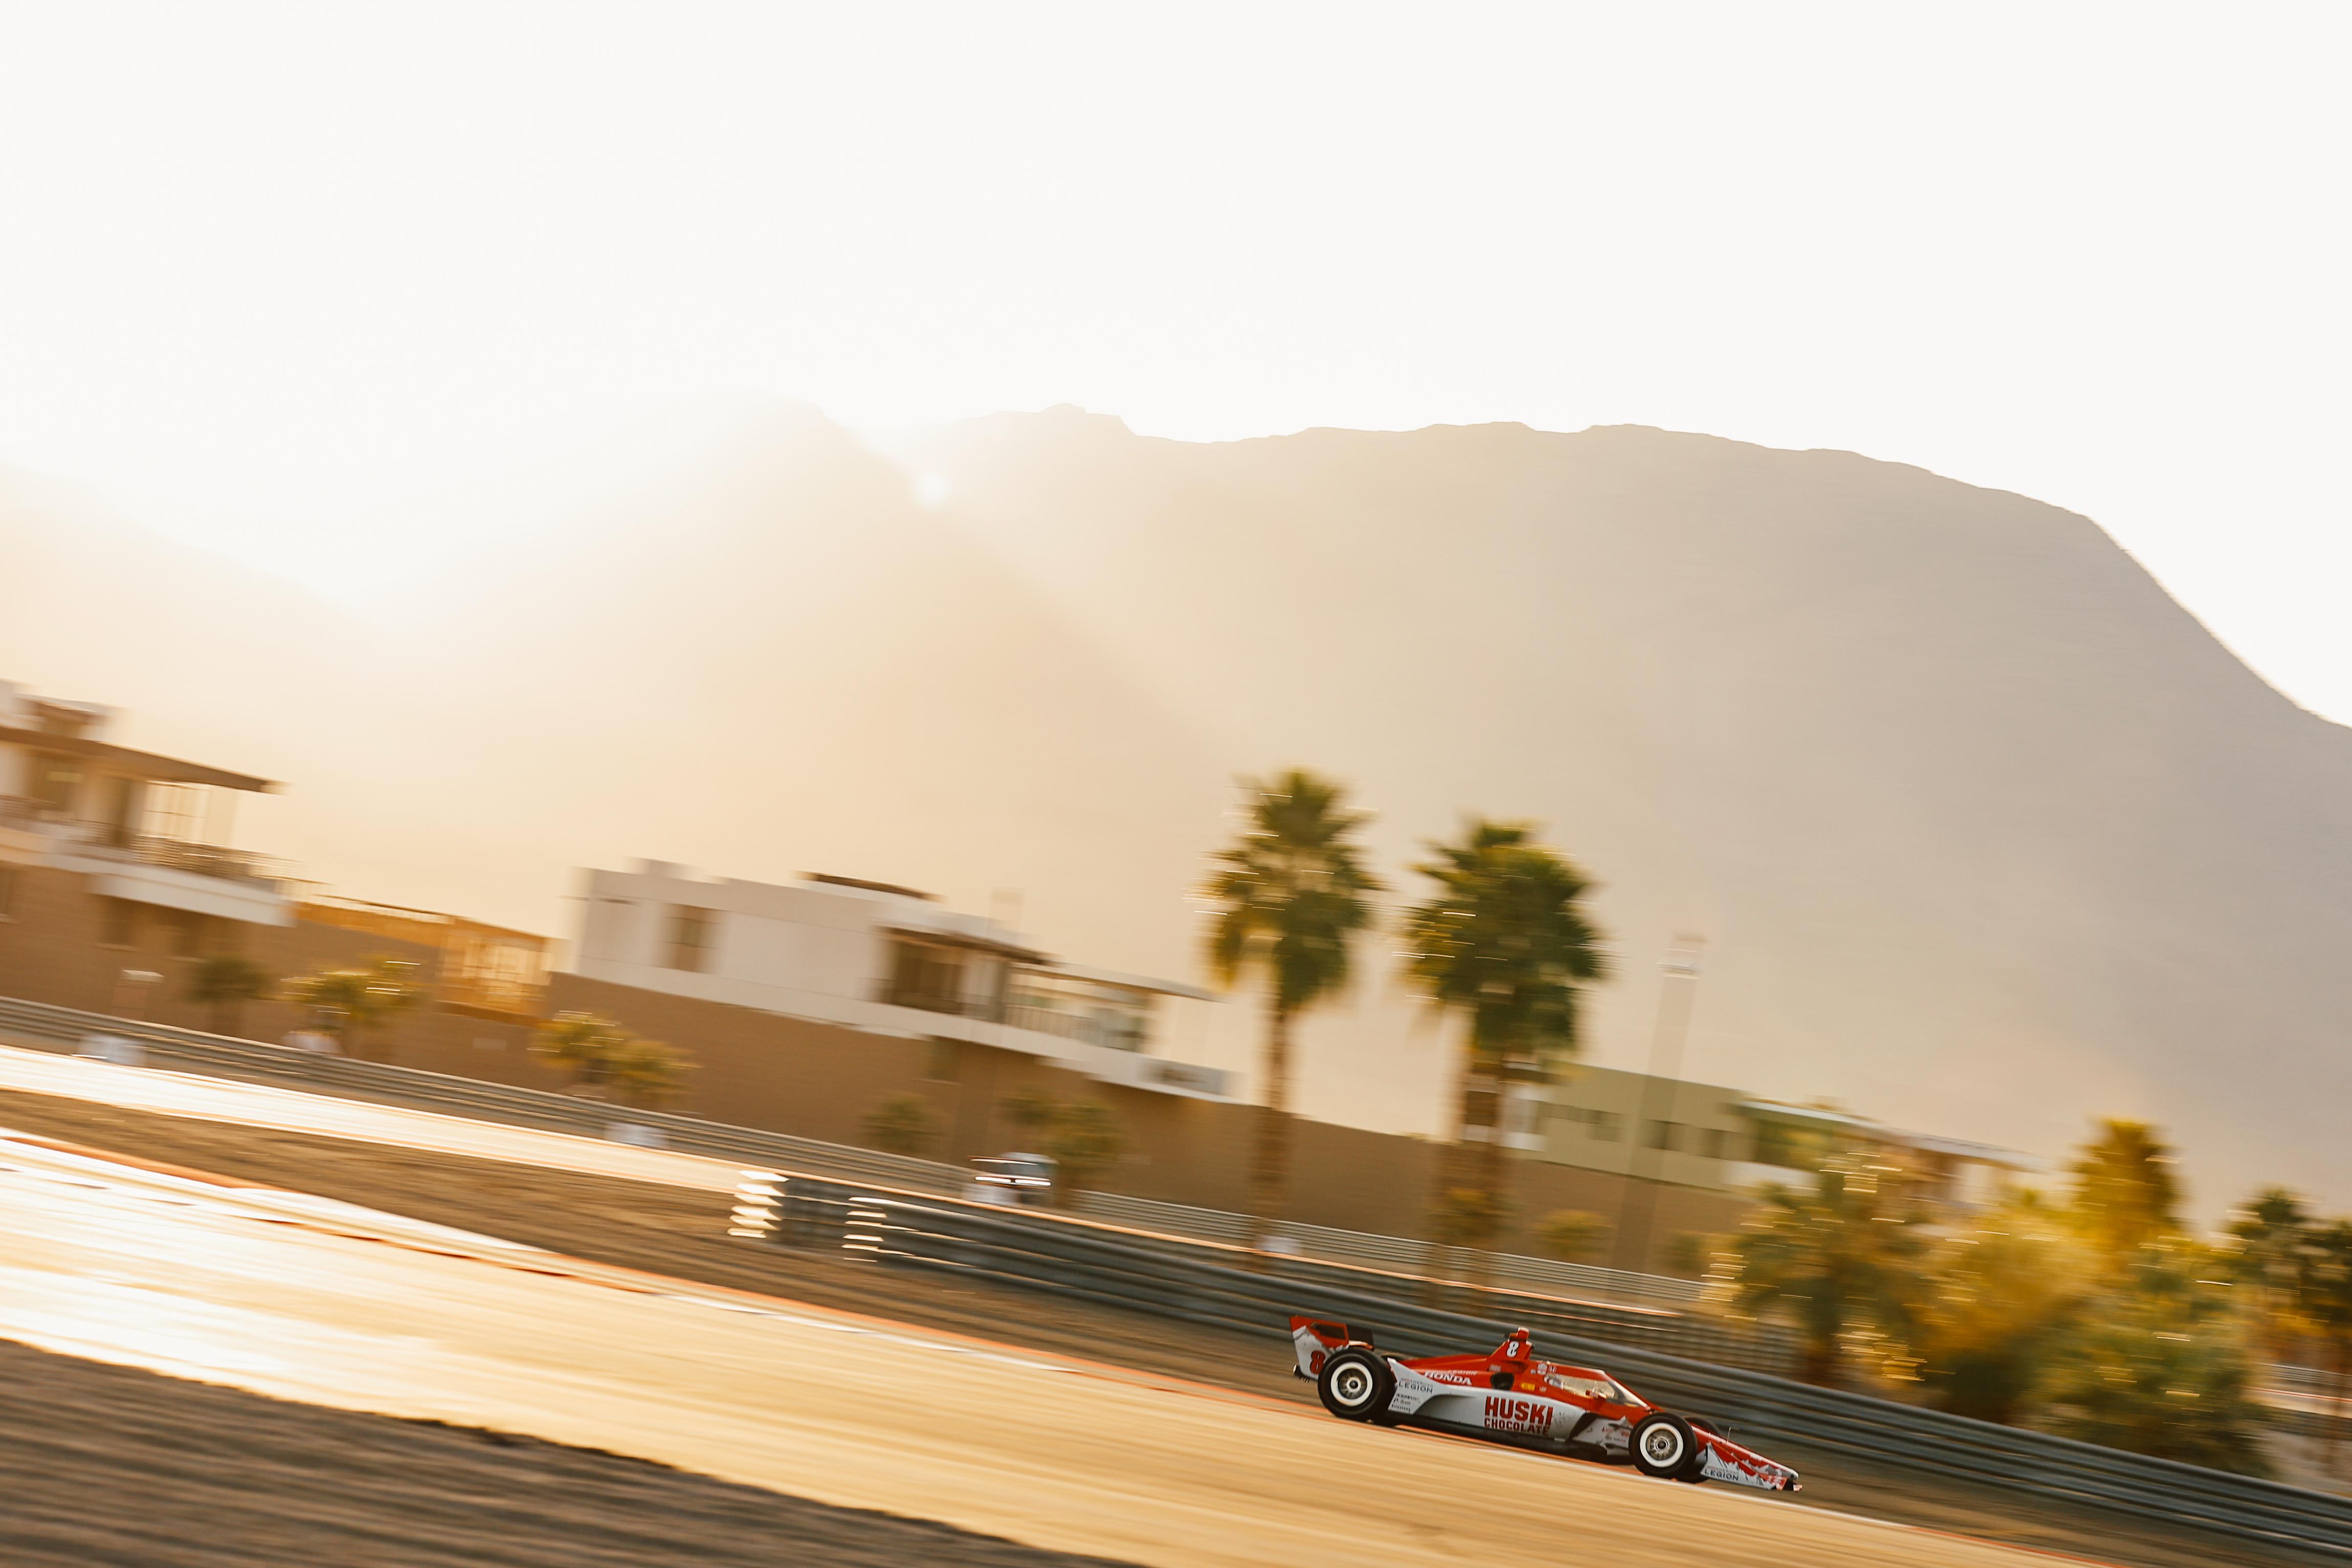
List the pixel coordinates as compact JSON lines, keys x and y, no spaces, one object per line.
{"x":1506,"y":944}
{"x":2003,"y":1299}
{"x":646,"y":1074}
{"x":1842,"y":1260}
{"x":2158,"y":1364}
{"x":2269,"y":1251}
{"x":2126,"y":1194}
{"x":607,"y":1062}
{"x":1291,"y":893}
{"x":2324,"y":1300}
{"x":350,"y":1002}
{"x":225,"y":983}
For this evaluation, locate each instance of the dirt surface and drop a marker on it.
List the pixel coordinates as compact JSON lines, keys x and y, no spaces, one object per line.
{"x":112,"y":1465}
{"x":680,"y":1232}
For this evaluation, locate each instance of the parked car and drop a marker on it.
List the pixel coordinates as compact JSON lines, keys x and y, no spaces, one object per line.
{"x":1011,"y":1179}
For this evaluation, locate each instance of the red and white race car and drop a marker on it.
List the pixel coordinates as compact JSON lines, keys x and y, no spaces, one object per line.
{"x":1507,"y":1395}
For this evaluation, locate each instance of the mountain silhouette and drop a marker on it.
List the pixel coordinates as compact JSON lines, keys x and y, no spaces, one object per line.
{"x":1985,"y":834}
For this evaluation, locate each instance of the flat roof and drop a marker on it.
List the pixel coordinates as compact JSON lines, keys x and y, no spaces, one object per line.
{"x":146,"y":764}
{"x":1128,"y":982}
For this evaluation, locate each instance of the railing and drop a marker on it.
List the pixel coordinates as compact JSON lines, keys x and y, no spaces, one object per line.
{"x":941,"y":1002}
{"x":17,"y":811}
{"x":1081,"y":1026}
{"x":105,"y":841}
{"x":1683,"y":1360}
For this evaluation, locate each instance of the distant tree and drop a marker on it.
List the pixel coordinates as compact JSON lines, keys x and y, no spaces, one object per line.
{"x":579,"y":1045}
{"x":2125,"y":1193}
{"x":1688,"y":1253}
{"x":2005,"y":1294}
{"x":646,"y":1074}
{"x":1083,"y":1138}
{"x":1503,"y":943}
{"x":605,"y":1061}
{"x":2268,"y":1252}
{"x":2156,"y":1365}
{"x":1086,"y":1142}
{"x":1467,"y":1217}
{"x":1572,"y":1236}
{"x":350,"y":1004}
{"x":1842,"y":1261}
{"x":1290,"y":893}
{"x":223,"y":984}
{"x":1030,"y":1110}
{"x":901,"y":1124}
{"x":2322,"y":1297}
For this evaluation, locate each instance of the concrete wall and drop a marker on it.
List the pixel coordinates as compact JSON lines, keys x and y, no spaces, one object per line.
{"x":818,"y":1080}
{"x":52,"y":949}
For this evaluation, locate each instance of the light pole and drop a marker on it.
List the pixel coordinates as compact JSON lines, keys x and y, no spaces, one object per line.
{"x":1680,"y":967}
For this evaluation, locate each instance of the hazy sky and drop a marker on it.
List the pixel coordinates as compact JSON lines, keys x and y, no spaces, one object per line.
{"x":281,"y":277}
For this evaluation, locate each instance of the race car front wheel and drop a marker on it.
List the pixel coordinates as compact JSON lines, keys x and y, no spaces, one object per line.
{"x":1664,"y":1445}
{"x":1355,"y":1386}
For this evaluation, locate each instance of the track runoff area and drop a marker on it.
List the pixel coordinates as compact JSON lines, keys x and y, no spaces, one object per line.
{"x":344,"y":1307}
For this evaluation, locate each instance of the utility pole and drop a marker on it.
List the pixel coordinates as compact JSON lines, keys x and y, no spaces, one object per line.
{"x":1680,"y":968}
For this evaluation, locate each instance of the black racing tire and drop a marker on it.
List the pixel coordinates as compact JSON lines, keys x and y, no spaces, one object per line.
{"x":1665,"y":1445}
{"x":1355,"y":1384}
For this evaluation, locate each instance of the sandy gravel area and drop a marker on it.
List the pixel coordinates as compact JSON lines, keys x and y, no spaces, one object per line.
{"x":112,"y":1465}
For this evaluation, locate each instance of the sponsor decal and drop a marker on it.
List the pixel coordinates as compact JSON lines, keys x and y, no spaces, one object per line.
{"x":1613,"y":1435}
{"x":1506,"y":1413}
{"x":1453,"y":1377}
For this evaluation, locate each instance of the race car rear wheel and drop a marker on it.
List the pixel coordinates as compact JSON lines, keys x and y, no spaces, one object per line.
{"x":1666,"y":1447}
{"x":1355,"y":1384}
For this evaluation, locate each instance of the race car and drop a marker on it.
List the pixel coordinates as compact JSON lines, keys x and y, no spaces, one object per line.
{"x":1507,"y":1395}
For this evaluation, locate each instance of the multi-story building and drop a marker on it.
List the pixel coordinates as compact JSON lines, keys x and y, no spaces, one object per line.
{"x":102,"y":846}
{"x":882,"y":960}
{"x":118,"y":877}
{"x":1716,"y":1138}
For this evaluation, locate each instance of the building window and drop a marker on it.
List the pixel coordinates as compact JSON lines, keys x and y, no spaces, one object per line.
{"x":185,"y":930}
{"x":118,"y":922}
{"x":1663,"y":1135}
{"x":55,"y":781}
{"x":692,"y":934}
{"x":928,"y":977}
{"x":1607,"y":1126}
{"x":171,"y":811}
{"x":1715,"y":1142}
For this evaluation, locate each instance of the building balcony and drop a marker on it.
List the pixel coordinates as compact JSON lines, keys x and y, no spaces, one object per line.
{"x":97,"y":841}
{"x":202,"y":878}
{"x":1111,"y":1032}
{"x":987,"y":1009}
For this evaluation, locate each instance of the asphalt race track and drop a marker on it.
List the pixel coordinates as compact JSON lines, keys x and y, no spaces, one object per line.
{"x":341,"y":1309}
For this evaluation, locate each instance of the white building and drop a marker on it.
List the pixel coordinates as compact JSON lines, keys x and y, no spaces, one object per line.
{"x":884,"y":959}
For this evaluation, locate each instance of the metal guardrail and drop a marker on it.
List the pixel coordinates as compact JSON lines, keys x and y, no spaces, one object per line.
{"x":1036,"y":1252}
{"x":902,"y":1211}
{"x":383,"y":1084}
{"x":1396,"y":1253}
